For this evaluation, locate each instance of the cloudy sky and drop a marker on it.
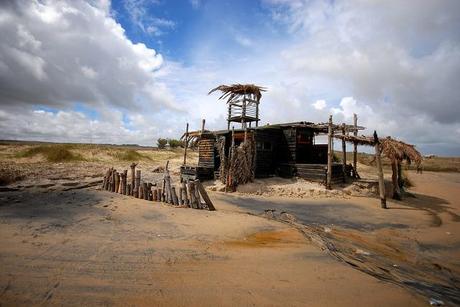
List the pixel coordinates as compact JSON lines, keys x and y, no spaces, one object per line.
{"x":130,"y":71}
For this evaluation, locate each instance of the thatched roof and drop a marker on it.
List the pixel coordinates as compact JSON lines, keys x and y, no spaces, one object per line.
{"x":235,"y":90}
{"x":397,"y":150}
{"x":391,"y":148}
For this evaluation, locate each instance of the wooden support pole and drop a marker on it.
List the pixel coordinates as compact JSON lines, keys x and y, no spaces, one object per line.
{"x":133,"y":172}
{"x":186,"y":144}
{"x":344,"y":155}
{"x":197,"y":195}
{"x":137,"y":184}
{"x":355,"y":147}
{"x":150,"y":192}
{"x":114,"y":175}
{"x":129,"y":189}
{"x":191,"y":191}
{"x":175,"y":200}
{"x":205,"y":196}
{"x":394,"y":180}
{"x":400,"y":178}
{"x":378,"y":159}
{"x":125,"y":178}
{"x":329,"y":154}
{"x":144,"y":195}
{"x":184,"y":192}
{"x":155,"y":194}
{"x":181,"y":200}
{"x":203,"y":122}
{"x":257,"y":114}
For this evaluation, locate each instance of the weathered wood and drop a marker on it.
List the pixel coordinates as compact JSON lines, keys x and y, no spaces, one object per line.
{"x":137,"y":184}
{"x":129,"y":189}
{"x":141,"y":192}
{"x":114,"y":175}
{"x":125,"y":178}
{"x":184,"y":193}
{"x":186,"y":144}
{"x":329,"y":154}
{"x":383,"y":200}
{"x":197,"y":195}
{"x":191,"y":192}
{"x":205,"y":196}
{"x":133,"y":172}
{"x":155,"y":194}
{"x":203,"y":121}
{"x":144,"y":194}
{"x":179,"y":196}
{"x":355,"y":147}
{"x":344,"y":155}
{"x":150,"y":192}
{"x":394,"y":181}
{"x":175,"y":200}
{"x":105,"y":182}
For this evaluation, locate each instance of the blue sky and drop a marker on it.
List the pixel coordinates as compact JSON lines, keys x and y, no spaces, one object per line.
{"x":130,"y":71}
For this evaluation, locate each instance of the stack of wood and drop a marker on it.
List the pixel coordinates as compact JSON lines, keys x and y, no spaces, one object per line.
{"x":191,"y":193}
{"x":239,"y":167}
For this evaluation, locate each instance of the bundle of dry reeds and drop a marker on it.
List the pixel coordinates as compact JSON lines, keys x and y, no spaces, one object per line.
{"x":235,"y":90}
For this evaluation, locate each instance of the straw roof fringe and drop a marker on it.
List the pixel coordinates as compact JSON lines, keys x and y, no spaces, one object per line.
{"x":393,"y":149}
{"x":230,"y":92}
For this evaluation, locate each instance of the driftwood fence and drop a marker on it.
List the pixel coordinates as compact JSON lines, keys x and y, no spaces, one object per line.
{"x":190,"y":193}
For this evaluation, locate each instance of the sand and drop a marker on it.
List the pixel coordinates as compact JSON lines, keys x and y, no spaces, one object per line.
{"x":65,"y":242}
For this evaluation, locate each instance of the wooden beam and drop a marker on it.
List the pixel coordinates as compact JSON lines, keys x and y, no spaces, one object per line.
{"x":378,"y":159}
{"x":355,"y":147}
{"x":395,"y":181}
{"x":186,"y":144}
{"x":329,"y":154}
{"x":205,"y":196}
{"x":344,"y":155}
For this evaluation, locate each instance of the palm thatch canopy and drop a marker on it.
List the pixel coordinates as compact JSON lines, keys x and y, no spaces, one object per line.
{"x":236,"y":90}
{"x":399,"y":151}
{"x":393,"y":149}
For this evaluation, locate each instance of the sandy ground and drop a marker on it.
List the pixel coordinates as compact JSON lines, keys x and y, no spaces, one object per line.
{"x":93,"y":247}
{"x":65,"y":242}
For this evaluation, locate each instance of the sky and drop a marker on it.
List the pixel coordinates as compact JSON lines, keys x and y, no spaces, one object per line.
{"x":131,"y":71}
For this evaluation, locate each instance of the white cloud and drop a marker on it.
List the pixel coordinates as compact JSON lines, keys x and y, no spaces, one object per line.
{"x":319,"y":104}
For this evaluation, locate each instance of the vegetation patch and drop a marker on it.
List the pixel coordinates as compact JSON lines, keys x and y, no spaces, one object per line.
{"x":129,"y":155}
{"x":8,"y":176}
{"x":52,"y":153}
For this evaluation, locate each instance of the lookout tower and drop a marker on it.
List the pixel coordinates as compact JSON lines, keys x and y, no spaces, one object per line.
{"x":243,"y":103}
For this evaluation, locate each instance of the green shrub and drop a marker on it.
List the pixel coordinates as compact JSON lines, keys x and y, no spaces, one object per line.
{"x":161,"y":143}
{"x":173,"y":143}
{"x":52,"y":153}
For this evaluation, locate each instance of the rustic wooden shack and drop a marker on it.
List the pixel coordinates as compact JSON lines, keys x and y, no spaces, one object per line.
{"x":286,"y":149}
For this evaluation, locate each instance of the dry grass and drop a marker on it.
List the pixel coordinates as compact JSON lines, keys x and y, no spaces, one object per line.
{"x":52,"y":153}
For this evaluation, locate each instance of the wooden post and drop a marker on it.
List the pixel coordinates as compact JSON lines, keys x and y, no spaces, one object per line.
{"x":203,"y":122}
{"x":184,"y":192}
{"x":383,"y":200}
{"x":181,"y":200}
{"x":137,"y":184}
{"x":125,"y":177}
{"x":191,"y":188}
{"x":144,"y":190}
{"x":133,"y":171}
{"x":257,"y":114}
{"x":329,"y":154}
{"x":175,"y":200}
{"x":186,"y":144}
{"x":155,"y":194}
{"x":114,"y":175}
{"x":400,"y":178}
{"x":355,"y":146}
{"x":344,"y":155}
{"x":129,"y":190}
{"x":394,"y":180}
{"x":189,"y":194}
{"x":205,"y":196}
{"x":197,"y":195}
